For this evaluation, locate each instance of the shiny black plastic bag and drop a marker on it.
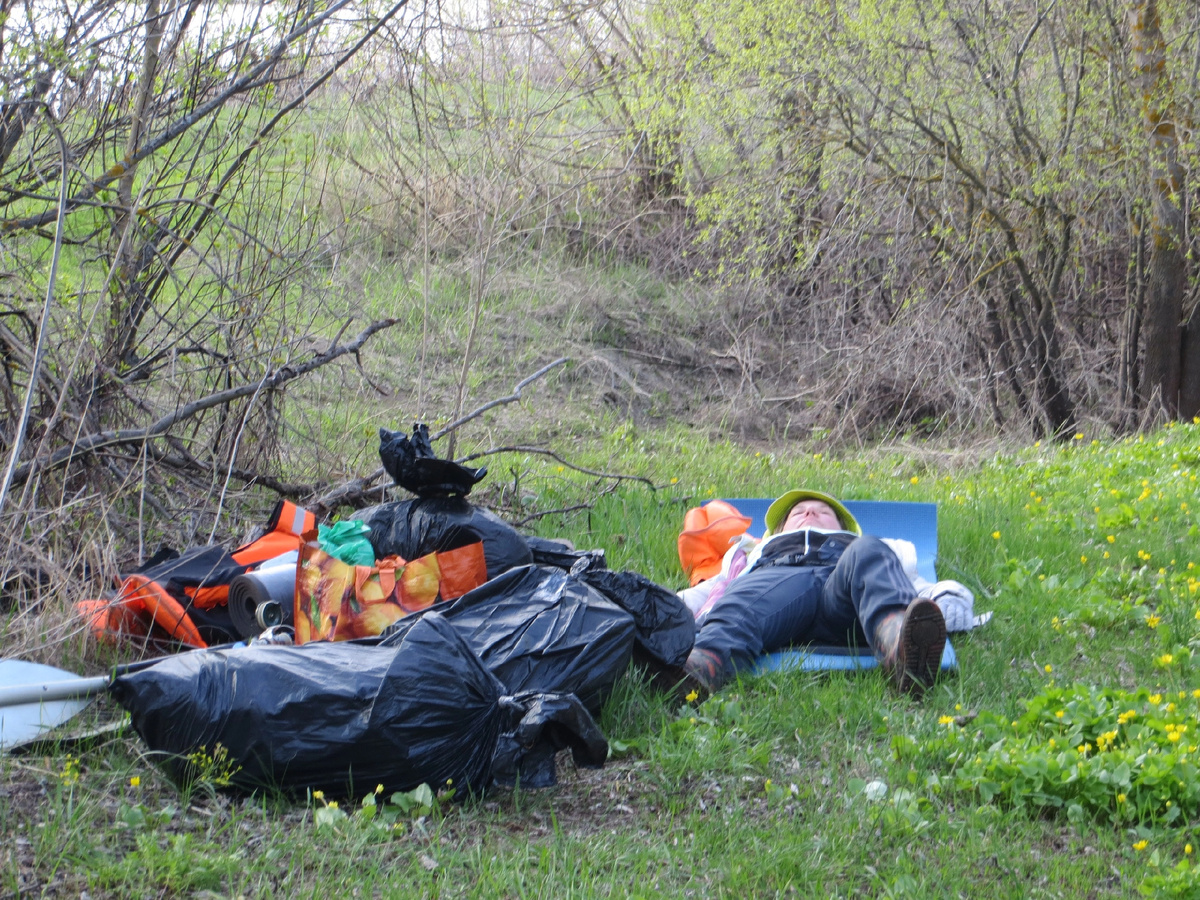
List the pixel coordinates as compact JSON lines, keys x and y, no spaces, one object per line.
{"x":412,"y":528}
{"x":541,"y":629}
{"x":413,"y":465}
{"x":666,"y":628}
{"x":345,"y":717}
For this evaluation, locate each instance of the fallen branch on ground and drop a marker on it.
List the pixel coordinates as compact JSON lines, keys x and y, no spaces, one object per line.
{"x":93,"y":442}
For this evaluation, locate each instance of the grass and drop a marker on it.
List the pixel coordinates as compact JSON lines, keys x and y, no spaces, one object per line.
{"x":789,"y":784}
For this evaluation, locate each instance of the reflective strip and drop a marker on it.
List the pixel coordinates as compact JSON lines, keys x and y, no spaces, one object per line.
{"x":299,"y":513}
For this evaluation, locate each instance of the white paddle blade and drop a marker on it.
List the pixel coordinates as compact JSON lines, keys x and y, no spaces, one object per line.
{"x":30,"y":717}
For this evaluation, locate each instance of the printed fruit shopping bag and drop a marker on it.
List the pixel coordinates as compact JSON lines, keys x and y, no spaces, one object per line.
{"x":336,"y":601}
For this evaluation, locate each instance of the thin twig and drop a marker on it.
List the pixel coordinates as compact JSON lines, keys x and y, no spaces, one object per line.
{"x":570,"y":465}
{"x":511,"y":398}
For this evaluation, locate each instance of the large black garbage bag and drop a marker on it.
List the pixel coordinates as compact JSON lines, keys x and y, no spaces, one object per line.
{"x":344,"y":717}
{"x":541,"y":629}
{"x":666,"y":628}
{"x":412,"y":464}
{"x":412,"y":528}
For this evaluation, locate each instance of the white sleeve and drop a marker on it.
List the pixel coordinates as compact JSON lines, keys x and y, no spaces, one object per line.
{"x":906,"y":552}
{"x":694,"y":597}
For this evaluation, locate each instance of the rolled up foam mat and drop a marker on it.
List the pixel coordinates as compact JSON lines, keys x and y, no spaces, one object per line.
{"x":273,"y":582}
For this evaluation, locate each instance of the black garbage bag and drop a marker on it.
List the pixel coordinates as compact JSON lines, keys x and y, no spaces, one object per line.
{"x":344,"y":717}
{"x":412,"y":464}
{"x":665,"y":626}
{"x":412,"y":528}
{"x":543,"y":630}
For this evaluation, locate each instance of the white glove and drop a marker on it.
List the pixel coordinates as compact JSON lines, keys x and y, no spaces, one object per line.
{"x":957,"y":604}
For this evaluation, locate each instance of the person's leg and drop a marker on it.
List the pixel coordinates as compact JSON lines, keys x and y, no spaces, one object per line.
{"x":908,"y":635}
{"x":763,"y":610}
{"x":867,"y":585}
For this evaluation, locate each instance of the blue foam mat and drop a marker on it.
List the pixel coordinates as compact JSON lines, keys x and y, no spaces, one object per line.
{"x":916,"y":522}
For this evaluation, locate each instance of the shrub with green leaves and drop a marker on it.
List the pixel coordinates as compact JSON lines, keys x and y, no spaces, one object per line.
{"x":1125,"y":757}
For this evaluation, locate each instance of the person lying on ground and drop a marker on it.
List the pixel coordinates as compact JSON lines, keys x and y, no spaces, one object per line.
{"x":814,"y":578}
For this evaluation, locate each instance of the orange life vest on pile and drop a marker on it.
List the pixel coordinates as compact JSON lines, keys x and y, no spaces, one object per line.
{"x":165,"y":594}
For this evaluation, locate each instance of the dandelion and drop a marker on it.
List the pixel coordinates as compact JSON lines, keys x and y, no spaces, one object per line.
{"x":945,"y":720}
{"x":996,"y":535}
{"x":1059,"y":714}
{"x":1153,"y":621}
{"x":1121,"y":798}
{"x":1166,"y":659}
{"x":135,"y":781}
{"x":1079,"y":435}
{"x":1141,"y":845}
{"x":1106,"y":554}
{"x":1155,"y":699}
{"x":1112,"y":538}
{"x":692,"y":697}
{"x":1083,"y":559}
{"x":914,"y":480}
{"x":1049,"y":668}
{"x":674,"y":481}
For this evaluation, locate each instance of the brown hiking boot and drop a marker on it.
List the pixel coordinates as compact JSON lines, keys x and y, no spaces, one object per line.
{"x":909,"y":646}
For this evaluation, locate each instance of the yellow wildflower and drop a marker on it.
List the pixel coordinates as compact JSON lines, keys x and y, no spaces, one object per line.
{"x":1155,"y":699}
{"x":1121,"y":798}
{"x":135,"y":781}
{"x":1059,"y":714}
{"x":691,"y":697}
{"x":1112,"y":539}
{"x":1049,"y":668}
{"x":1153,"y":621}
{"x":914,"y":479}
{"x":996,"y":535}
{"x":945,"y":720}
{"x":1141,"y":845}
{"x":318,"y":795}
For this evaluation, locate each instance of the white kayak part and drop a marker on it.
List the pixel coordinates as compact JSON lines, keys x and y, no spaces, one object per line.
{"x":35,"y":698}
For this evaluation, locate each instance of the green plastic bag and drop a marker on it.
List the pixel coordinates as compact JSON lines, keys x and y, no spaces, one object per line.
{"x":347,"y":541}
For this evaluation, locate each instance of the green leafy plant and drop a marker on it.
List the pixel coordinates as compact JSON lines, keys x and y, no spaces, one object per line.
{"x":1113,"y":755}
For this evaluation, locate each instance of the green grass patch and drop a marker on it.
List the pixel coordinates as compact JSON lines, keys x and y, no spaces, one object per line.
{"x":1059,"y":761}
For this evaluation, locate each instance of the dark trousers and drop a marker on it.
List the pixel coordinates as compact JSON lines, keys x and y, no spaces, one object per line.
{"x":772,"y":607}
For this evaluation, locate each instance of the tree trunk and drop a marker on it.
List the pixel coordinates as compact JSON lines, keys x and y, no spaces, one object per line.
{"x":128,"y":299}
{"x":1167,"y":274}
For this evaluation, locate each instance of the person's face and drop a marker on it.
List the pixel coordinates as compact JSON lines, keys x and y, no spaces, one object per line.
{"x":811,"y":514}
